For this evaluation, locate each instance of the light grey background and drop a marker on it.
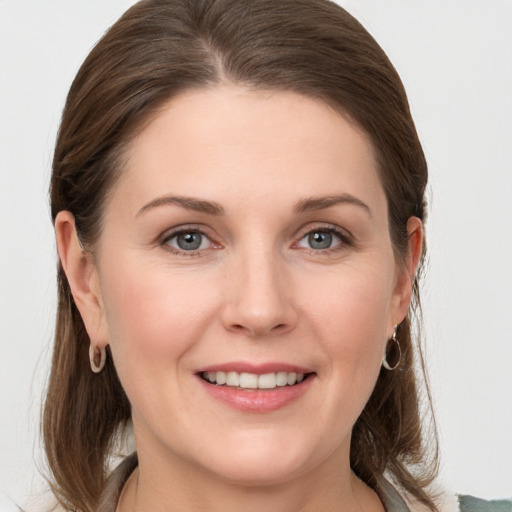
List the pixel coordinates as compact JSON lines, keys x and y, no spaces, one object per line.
{"x":455,"y":58}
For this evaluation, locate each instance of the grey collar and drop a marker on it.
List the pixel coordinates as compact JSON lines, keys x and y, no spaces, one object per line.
{"x":392,"y":501}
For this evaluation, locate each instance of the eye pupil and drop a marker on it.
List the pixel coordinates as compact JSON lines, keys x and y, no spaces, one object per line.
{"x":320,"y":240}
{"x":189,"y":241}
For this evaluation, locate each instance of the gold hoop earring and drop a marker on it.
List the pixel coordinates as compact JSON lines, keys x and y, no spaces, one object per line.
{"x":393,"y":353}
{"x":97,"y":358}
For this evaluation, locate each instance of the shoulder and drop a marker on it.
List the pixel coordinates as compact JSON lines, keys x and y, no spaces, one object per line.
{"x":7,"y":505}
{"x":43,"y":501}
{"x":472,"y":504}
{"x":397,"y":501}
{"x":448,"y":502}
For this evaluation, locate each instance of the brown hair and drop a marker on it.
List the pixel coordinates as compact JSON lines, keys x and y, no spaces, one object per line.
{"x":156,"y":50}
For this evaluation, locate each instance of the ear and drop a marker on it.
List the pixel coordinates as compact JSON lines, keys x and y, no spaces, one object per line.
{"x":83,"y":278}
{"x":407,"y":270}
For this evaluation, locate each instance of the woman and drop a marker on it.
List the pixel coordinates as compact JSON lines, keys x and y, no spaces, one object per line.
{"x":238,"y":198}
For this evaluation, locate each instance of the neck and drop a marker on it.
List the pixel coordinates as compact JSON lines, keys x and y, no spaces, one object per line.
{"x":153,"y":487}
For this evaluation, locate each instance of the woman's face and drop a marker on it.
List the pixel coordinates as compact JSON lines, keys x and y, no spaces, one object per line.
{"x":247,"y":240}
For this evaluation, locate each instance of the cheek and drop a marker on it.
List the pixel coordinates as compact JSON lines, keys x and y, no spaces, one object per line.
{"x":153,"y":317}
{"x":349,"y":318}
{"x":353,"y":314}
{"x":354,"y":294}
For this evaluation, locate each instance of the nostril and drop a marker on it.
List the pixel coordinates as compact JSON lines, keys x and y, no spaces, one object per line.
{"x":259,"y":331}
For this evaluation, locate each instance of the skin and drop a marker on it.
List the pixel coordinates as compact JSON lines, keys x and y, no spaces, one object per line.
{"x":256,"y":291}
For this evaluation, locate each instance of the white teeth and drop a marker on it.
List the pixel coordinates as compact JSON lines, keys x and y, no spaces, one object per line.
{"x":267,"y":381}
{"x":233,"y":379}
{"x":252,"y":380}
{"x":281,"y":378}
{"x":248,"y":380}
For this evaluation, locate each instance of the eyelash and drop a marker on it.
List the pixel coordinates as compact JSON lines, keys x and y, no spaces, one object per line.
{"x":345,"y":240}
{"x":185,"y":230}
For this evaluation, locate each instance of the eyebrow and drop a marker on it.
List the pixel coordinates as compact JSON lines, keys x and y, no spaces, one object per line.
{"x":213,"y":208}
{"x":320,"y":203}
{"x":189,"y":203}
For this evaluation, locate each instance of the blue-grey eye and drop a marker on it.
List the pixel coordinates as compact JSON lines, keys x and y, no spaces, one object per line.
{"x":189,"y":241}
{"x":320,"y":239}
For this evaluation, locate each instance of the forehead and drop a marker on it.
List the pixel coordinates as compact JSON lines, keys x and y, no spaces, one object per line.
{"x":235,"y":141}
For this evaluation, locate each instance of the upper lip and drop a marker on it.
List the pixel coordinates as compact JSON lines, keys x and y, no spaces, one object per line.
{"x":258,"y":369}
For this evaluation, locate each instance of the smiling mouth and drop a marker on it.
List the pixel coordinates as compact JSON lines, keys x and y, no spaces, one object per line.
{"x":254,"y":381}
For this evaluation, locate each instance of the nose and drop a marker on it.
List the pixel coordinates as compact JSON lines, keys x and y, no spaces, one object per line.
{"x":259,"y":297}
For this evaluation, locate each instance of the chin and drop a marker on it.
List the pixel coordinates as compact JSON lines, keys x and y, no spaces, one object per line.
{"x":262,"y":462}
{"x":266,"y":474}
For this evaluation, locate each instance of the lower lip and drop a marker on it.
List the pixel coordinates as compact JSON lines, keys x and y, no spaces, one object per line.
{"x":257,"y":400}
